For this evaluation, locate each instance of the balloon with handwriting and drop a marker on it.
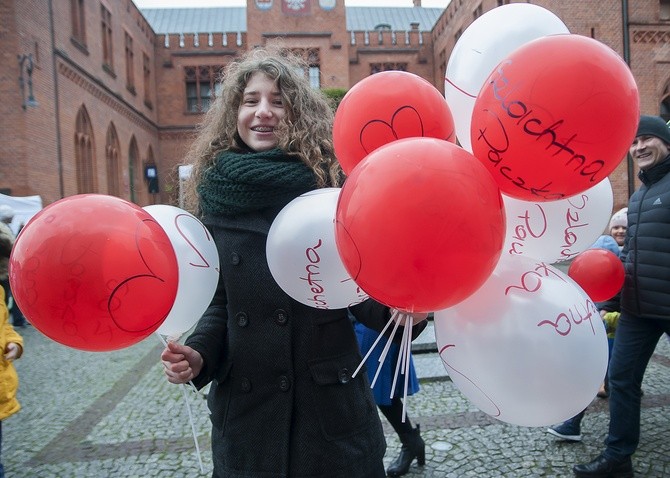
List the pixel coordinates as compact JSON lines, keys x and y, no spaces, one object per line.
{"x":528,"y":347}
{"x":484,"y":44}
{"x":198,"y":263}
{"x":537,"y":124}
{"x":94,"y":272}
{"x":554,"y":231}
{"x":302,"y":254}
{"x":385,"y":107}
{"x":419,"y":224}
{"x":599,"y":272}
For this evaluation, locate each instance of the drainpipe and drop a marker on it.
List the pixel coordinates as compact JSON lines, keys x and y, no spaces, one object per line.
{"x":59,"y":151}
{"x":626,"y":58}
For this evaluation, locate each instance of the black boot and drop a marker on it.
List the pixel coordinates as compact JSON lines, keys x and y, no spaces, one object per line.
{"x":413,"y":446}
{"x":603,"y":467}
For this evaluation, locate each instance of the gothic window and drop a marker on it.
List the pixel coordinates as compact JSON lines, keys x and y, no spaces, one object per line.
{"x":387,"y":66}
{"x":78,"y":19}
{"x":312,"y":58}
{"x":134,"y":170}
{"x":665,"y":9}
{"x":112,"y":153}
{"x":130,"y":70}
{"x":107,"y":50}
{"x":84,"y":156}
{"x":665,"y":105}
{"x":146,"y":69}
{"x":201,"y":87}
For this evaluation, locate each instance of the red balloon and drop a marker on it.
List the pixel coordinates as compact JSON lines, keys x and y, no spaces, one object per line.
{"x":419,"y":224}
{"x":94,"y":272}
{"x":555,"y":117}
{"x":385,"y":107}
{"x":599,"y":272}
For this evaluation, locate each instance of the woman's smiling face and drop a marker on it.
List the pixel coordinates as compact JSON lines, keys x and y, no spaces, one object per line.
{"x":260,"y":111}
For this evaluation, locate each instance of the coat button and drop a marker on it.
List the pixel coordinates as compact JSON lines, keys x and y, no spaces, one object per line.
{"x":343,"y":375}
{"x":242,"y":319}
{"x":281,"y":317}
{"x":234,"y":258}
{"x":284,"y":383}
{"x":245,"y":385}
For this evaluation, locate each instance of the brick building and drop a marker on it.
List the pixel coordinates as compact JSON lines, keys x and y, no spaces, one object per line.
{"x":118,"y":92}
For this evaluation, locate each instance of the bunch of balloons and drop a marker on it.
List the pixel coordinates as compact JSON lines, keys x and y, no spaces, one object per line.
{"x":460,"y":207}
{"x":418,"y":225}
{"x":528,"y":98}
{"x":98,"y":273}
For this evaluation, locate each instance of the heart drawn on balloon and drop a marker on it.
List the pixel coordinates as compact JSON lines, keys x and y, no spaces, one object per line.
{"x":405,"y":123}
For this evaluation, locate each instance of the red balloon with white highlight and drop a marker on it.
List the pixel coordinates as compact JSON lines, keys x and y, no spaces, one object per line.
{"x":537,"y":123}
{"x":419,"y":224}
{"x":599,"y":272}
{"x":94,"y":272}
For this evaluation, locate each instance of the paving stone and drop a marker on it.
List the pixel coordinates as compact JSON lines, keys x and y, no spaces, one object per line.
{"x":113,"y":414}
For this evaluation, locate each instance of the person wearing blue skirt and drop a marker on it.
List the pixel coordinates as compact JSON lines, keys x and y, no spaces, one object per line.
{"x":391,"y":407}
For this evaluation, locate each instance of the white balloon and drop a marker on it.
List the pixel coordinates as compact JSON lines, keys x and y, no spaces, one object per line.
{"x":484,"y":44}
{"x":555,"y":231}
{"x":302,"y":254}
{"x":528,"y":348}
{"x":198,"y":263}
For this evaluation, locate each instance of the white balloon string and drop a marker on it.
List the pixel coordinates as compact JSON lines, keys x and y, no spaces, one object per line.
{"x":407,"y":338}
{"x":162,"y":339}
{"x":385,"y":351}
{"x":374,"y":380}
{"x":381,"y":334}
{"x":190,"y":419}
{"x":188,"y":409}
{"x":399,"y":360}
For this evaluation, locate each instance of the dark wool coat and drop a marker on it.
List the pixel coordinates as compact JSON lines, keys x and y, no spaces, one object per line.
{"x":646,"y":252}
{"x":283,"y":402}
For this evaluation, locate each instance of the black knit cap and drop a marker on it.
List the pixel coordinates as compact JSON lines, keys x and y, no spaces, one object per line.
{"x":654,"y":126}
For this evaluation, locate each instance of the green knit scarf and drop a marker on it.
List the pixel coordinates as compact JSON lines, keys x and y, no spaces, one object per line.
{"x":238,"y":183}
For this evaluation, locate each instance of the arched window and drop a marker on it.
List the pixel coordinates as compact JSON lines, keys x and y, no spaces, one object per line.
{"x":148,"y":164}
{"x":665,"y":104}
{"x":84,"y":153}
{"x":112,"y":154}
{"x":665,"y":9}
{"x":134,"y":170}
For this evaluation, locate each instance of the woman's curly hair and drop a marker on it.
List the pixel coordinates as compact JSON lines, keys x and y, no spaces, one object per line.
{"x":305,"y":130}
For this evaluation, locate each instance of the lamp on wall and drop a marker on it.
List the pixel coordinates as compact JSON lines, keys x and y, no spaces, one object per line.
{"x":151,"y":175}
{"x":26,"y":62}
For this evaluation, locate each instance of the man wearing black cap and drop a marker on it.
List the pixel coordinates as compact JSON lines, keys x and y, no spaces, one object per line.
{"x":645,"y":298}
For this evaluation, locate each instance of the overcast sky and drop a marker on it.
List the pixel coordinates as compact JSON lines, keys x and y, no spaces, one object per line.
{"x":242,"y":3}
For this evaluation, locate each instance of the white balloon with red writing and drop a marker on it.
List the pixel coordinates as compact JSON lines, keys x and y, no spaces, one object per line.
{"x":198,"y":262}
{"x":302,"y":254}
{"x":486,"y":42}
{"x":527,"y":348}
{"x":555,"y":231}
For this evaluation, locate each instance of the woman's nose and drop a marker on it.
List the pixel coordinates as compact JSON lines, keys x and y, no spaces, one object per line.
{"x":263,"y":109}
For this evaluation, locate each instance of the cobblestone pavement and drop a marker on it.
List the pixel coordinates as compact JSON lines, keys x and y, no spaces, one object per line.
{"x":113,"y":414}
